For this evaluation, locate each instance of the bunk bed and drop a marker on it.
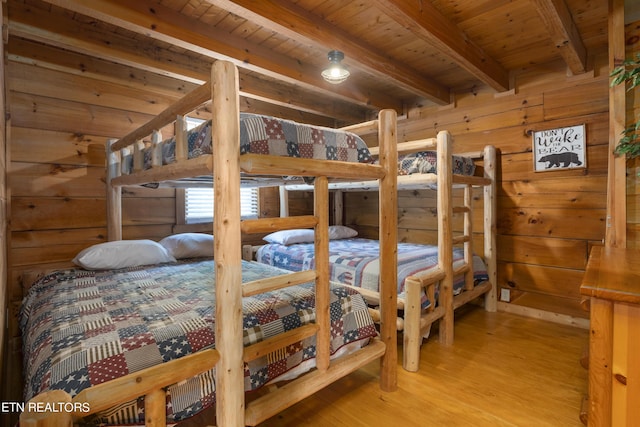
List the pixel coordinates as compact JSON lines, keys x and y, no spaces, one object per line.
{"x":228,"y":361}
{"x":448,"y":275}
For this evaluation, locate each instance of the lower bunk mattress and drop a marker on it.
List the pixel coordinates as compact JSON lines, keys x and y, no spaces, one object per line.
{"x":82,"y":328}
{"x":356,"y":262}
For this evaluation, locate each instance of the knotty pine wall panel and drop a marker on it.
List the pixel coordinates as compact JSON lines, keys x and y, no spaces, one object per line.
{"x":57,"y":173}
{"x":546,"y":221}
{"x":4,"y":205}
{"x":39,"y":112}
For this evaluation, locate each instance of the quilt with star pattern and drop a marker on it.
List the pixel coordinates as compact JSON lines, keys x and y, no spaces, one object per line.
{"x":356,"y":262}
{"x":261,"y":134}
{"x":82,"y":328}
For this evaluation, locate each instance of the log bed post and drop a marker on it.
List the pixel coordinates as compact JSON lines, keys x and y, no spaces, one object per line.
{"x":445,"y":234}
{"x":490,"y":212}
{"x":114,"y":193}
{"x":321,"y":243}
{"x":284,"y":201}
{"x":33,"y":418}
{"x":156,"y":152}
{"x":338,"y":207}
{"x":467,"y":236}
{"x":388,"y":217}
{"x":230,"y":407}
{"x":182,"y":145}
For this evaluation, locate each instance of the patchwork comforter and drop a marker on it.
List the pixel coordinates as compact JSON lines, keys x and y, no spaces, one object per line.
{"x":82,"y":328}
{"x":426,"y":162}
{"x":269,"y":135}
{"x":356,"y":262}
{"x":279,"y":137}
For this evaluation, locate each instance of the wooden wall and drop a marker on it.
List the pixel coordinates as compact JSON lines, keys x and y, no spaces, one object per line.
{"x":547,"y":221}
{"x":56,"y":178}
{"x":59,"y":125}
{"x":4,"y":203}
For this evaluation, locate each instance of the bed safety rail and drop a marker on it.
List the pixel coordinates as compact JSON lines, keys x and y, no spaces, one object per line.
{"x":149,"y":383}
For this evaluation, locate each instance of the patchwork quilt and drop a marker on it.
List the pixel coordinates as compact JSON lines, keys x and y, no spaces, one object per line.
{"x":269,"y":135}
{"x":426,"y":162}
{"x":356,"y":262}
{"x":82,"y":328}
{"x":279,"y":137}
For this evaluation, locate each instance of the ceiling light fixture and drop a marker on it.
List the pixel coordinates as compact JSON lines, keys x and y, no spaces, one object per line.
{"x":335,"y":73}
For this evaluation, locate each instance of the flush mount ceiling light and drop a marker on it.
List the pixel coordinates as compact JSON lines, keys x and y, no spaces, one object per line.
{"x":335,"y":73}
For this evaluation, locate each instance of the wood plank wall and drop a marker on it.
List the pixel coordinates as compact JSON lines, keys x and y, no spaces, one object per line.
{"x":632,"y":36}
{"x":59,"y":127}
{"x":57,"y":176}
{"x":4,"y":203}
{"x":547,"y":221}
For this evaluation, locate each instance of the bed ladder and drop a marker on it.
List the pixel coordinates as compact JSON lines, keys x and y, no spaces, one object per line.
{"x":466,"y":238}
{"x":326,"y":372}
{"x":319,"y":222}
{"x":487,"y":184}
{"x":417,"y":323}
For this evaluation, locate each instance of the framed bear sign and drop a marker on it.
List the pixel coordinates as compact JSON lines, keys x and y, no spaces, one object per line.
{"x":561,"y":148}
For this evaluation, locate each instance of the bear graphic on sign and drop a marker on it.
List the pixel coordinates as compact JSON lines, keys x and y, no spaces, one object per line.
{"x":566,"y":159}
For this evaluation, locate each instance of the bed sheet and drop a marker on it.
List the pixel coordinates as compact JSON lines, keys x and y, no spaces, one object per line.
{"x":82,"y":328}
{"x":356,"y":262}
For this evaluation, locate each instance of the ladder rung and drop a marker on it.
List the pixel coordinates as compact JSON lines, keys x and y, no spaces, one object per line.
{"x":463,"y":268}
{"x":279,"y":341}
{"x":461,"y":239}
{"x":277,"y":282}
{"x":266,"y":225}
{"x":428,"y":277}
{"x":470,"y":180}
{"x":461,"y":209}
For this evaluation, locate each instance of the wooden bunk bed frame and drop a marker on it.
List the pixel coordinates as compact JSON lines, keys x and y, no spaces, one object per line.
{"x":416,"y":323}
{"x":226,"y":165}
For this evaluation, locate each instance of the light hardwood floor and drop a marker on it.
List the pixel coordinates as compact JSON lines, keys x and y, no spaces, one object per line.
{"x":503,"y":370}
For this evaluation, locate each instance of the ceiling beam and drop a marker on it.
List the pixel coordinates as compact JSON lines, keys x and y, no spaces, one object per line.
{"x":427,"y":23}
{"x":89,"y":42}
{"x":156,"y":21}
{"x":291,"y":20}
{"x":563,"y":32}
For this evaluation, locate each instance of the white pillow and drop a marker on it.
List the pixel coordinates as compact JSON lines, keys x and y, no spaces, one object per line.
{"x":189,"y":245}
{"x":289,"y":237}
{"x":341,"y":232}
{"x":301,"y":235}
{"x":122,"y":254}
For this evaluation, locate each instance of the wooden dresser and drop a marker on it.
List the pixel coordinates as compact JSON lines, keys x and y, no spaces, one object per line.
{"x":612,"y":283}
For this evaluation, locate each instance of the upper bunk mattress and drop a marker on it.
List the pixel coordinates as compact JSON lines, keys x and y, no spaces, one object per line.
{"x":269,"y":135}
{"x":426,"y":162}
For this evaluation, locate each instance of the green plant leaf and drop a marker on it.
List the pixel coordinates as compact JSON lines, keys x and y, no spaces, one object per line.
{"x":629,"y":74}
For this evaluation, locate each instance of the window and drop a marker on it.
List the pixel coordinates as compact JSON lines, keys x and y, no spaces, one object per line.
{"x":193,"y":122}
{"x":198,"y":204}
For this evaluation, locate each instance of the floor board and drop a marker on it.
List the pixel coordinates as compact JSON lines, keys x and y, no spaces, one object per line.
{"x":503,"y":370}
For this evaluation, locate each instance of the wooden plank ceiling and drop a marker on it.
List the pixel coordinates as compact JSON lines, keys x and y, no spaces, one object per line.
{"x":401,"y":53}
